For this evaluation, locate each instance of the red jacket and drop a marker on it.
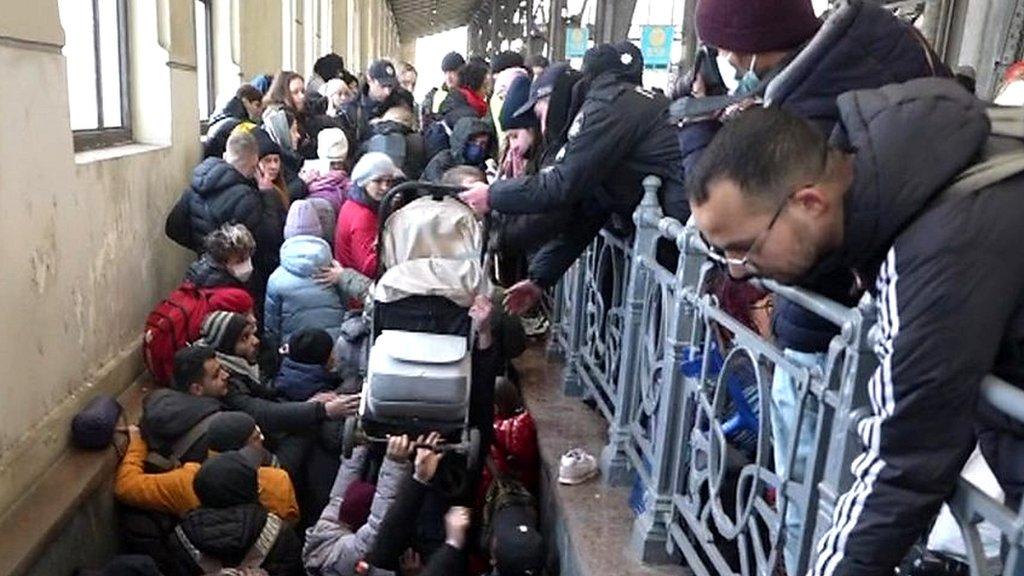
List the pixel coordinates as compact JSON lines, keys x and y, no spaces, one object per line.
{"x":515,"y":451}
{"x":355,"y":238}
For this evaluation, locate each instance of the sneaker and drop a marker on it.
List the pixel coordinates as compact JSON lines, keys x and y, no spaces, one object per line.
{"x":576,"y":467}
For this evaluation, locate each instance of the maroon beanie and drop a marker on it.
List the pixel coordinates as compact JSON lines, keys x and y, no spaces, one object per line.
{"x":754,"y":26}
{"x":355,"y":508}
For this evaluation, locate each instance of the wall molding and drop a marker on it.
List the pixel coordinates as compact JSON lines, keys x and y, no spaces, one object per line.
{"x":181,"y":66}
{"x":32,"y":45}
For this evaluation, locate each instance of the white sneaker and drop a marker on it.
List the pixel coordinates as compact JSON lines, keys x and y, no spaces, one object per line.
{"x":576,"y":467}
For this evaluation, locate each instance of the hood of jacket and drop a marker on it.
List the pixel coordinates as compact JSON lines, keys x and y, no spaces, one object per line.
{"x":504,"y":79}
{"x":233,"y":109}
{"x":331,"y":185}
{"x":463,"y":131}
{"x":167,"y":414}
{"x":895,"y":174}
{"x":206,"y":273}
{"x":357,"y":194}
{"x":226,"y":534}
{"x":385,"y":127}
{"x":214,"y":175}
{"x":298,"y":382}
{"x":861,"y":46}
{"x":304,"y":255}
{"x":275,"y":122}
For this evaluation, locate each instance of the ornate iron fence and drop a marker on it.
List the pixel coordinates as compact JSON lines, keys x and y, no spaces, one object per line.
{"x":700,"y":407}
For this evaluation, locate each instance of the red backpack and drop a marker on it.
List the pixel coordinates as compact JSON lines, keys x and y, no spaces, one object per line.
{"x":176,"y":321}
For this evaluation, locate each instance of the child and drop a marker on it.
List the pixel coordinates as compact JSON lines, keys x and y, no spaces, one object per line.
{"x":514,"y":451}
{"x":326,"y":178}
{"x":308,"y":368}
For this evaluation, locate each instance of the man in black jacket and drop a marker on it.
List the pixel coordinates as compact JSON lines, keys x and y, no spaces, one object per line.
{"x":776,"y":200}
{"x":245,"y":106}
{"x":620,"y":135}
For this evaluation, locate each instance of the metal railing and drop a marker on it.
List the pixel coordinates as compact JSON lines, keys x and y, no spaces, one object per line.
{"x":687,"y":392}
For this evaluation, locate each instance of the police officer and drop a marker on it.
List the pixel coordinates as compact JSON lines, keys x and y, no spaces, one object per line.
{"x":620,"y":135}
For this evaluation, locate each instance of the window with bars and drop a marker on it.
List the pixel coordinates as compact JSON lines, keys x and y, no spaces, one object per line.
{"x":204,"y":60}
{"x":96,"y":51}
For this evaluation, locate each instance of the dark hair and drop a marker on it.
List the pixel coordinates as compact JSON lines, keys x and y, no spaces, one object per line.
{"x":472,"y":76}
{"x":508,"y":400}
{"x":189,"y":365}
{"x":454,"y":176}
{"x":230,"y":240}
{"x":537,"y":60}
{"x":328,"y":66}
{"x":504,"y":60}
{"x":766,"y":151}
{"x":278,"y":92}
{"x":248,"y":92}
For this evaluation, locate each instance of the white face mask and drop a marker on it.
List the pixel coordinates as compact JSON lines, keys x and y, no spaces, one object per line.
{"x":242,"y":271}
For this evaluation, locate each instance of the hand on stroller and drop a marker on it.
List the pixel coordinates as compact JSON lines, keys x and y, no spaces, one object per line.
{"x":427,"y":459}
{"x":343,"y":406}
{"x":400,"y":448}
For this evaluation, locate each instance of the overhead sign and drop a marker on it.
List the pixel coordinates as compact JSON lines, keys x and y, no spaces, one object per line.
{"x":576,"y":40}
{"x":656,"y":45}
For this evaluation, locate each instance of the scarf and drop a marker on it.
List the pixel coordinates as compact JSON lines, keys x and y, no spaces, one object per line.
{"x":478,"y":104}
{"x":240,"y":366}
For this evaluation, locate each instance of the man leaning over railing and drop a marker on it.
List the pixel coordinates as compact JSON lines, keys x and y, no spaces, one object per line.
{"x":774,"y":199}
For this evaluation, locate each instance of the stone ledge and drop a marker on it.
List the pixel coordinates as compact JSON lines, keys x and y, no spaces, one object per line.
{"x":36,"y":520}
{"x":589,"y":526}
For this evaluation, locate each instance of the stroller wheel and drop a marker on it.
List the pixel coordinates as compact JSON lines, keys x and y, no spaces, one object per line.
{"x":348,"y":443}
{"x":473,"y":449}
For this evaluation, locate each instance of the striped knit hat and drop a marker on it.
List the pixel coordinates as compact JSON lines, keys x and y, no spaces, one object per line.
{"x":221,"y":330}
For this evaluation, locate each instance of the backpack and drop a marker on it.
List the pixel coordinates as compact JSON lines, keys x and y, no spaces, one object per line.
{"x":504,"y":492}
{"x":393,"y":145}
{"x":1002,"y":157}
{"x":254,"y":558}
{"x":173,"y":324}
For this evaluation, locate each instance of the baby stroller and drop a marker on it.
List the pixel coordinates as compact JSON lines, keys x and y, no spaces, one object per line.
{"x":430,"y":251}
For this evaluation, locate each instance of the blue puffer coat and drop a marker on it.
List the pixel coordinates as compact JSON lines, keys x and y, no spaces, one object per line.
{"x":294,"y":299}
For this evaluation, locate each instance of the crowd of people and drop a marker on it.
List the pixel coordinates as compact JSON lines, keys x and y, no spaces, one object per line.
{"x":825,"y":167}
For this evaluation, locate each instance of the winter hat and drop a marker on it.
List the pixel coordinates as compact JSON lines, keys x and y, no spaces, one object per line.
{"x":302,"y":220}
{"x":262,"y":82}
{"x":327,"y":216}
{"x":374,"y":165}
{"x":355,"y":508}
{"x":516,"y":96}
{"x":634,"y":69}
{"x":229,"y":431}
{"x":605,"y":58}
{"x":265,"y":144}
{"x":226,"y":480}
{"x":330,"y":87}
{"x":542,"y":87}
{"x":231,"y":300}
{"x":505,"y":60}
{"x":518,"y":548}
{"x":452,"y":61}
{"x":383,"y":71}
{"x":754,"y":26}
{"x":221,"y":330}
{"x":310,"y":346}
{"x":332,"y":144}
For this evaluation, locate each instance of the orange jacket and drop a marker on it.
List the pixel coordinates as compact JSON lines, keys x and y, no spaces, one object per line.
{"x":171,"y":492}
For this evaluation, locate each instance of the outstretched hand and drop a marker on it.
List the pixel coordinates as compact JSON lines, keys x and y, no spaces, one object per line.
{"x":523,"y":296}
{"x":478,"y":198}
{"x":329,"y":275}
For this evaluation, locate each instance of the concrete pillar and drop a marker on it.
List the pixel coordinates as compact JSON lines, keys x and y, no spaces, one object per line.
{"x":556,"y":33}
{"x":407,"y":50}
{"x":339,"y":29}
{"x":613,"y":18}
{"x":354,"y":30}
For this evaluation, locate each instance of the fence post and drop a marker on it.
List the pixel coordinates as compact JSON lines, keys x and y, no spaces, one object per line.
{"x":615,"y":465}
{"x":571,"y":376}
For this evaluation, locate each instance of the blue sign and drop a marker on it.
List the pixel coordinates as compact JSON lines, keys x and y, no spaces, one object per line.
{"x":656,"y":45}
{"x":576,"y":41}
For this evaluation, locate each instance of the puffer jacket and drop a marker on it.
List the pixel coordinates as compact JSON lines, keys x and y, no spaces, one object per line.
{"x":464,"y":129}
{"x":221,"y":125}
{"x":404,"y":145}
{"x":296,"y":301}
{"x":218,"y":195}
{"x":332,"y":548}
{"x":299,"y":382}
{"x":515,"y":452}
{"x":331,"y":186}
{"x":206,"y":273}
{"x":168,"y":415}
{"x":355,"y":236}
{"x":227,"y":535}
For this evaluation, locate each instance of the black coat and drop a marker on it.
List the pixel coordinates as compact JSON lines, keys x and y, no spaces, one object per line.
{"x":218,"y":195}
{"x":227,"y":535}
{"x":403,"y":144}
{"x":272,"y":415}
{"x":455,"y":107}
{"x":205,"y":273}
{"x":168,"y":415}
{"x":221,"y":125}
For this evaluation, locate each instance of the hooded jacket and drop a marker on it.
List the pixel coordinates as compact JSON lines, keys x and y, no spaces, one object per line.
{"x":948,"y":282}
{"x":454,"y":156}
{"x":331,"y":186}
{"x":221,"y":125}
{"x":169,"y":414}
{"x":455,"y":107}
{"x":355,"y":236}
{"x":332,"y":548}
{"x":206,"y":273}
{"x":227,"y":534}
{"x":401,"y":142}
{"x":272,"y":416}
{"x":296,"y":301}
{"x":218,"y":195}
{"x":299,"y":382}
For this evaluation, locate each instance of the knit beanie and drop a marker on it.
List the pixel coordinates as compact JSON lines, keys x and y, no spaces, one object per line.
{"x":327,"y":216}
{"x":355,"y":508}
{"x":265,"y":144}
{"x":516,"y":96}
{"x":302,"y":220}
{"x":310,"y":346}
{"x":221,"y":330}
{"x":755,"y":26}
{"x":229,"y":431}
{"x":374,"y":165}
{"x":452,"y":61}
{"x":332,"y":144}
{"x":505,"y":60}
{"x":226,"y":480}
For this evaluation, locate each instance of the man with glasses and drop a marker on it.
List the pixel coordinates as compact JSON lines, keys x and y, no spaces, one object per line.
{"x":945,"y":269}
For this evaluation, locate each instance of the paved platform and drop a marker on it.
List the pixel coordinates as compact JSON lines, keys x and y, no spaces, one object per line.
{"x":589,"y":524}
